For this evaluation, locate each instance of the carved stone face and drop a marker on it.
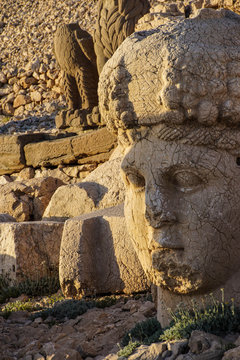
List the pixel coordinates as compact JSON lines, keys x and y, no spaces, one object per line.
{"x":182,"y":210}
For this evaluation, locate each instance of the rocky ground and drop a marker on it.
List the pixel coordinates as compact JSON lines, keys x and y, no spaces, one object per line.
{"x":97,"y":335}
{"x":92,"y":335}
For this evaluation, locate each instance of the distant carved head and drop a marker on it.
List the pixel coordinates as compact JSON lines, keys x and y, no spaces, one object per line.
{"x":173,"y":96}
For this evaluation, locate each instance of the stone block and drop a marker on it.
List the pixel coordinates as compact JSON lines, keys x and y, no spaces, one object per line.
{"x":71,"y":200}
{"x":29,"y":249}
{"x":11,"y":151}
{"x":49,"y":153}
{"x":70,"y":149}
{"x":232,"y":354}
{"x":94,"y":142}
{"x":97,"y":256}
{"x":96,"y":159}
{"x":102,"y":188}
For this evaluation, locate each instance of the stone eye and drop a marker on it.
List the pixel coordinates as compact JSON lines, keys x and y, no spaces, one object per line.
{"x":135,"y":179}
{"x":238,"y":161}
{"x":186,"y":180}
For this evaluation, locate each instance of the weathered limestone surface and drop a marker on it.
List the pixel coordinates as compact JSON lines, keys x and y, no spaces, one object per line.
{"x":34,"y":60}
{"x":172,"y":95}
{"x":69,"y":150}
{"x":103,"y":188}
{"x":29,"y":249}
{"x":11,"y":151}
{"x":72,"y":200}
{"x":97,"y":256}
{"x":233,"y":354}
{"x":27,"y":200}
{"x":74,"y":120}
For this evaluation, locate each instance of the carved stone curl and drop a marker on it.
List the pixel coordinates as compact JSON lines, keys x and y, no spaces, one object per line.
{"x":173,"y":96}
{"x":116,"y":21}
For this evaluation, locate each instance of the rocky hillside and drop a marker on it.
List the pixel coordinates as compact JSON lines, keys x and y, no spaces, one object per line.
{"x":30,"y":80}
{"x":29,"y":77}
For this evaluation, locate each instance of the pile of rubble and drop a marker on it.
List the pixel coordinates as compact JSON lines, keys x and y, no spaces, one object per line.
{"x":29,"y":77}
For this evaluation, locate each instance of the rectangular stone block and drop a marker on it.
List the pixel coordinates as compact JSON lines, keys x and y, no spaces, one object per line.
{"x":97,"y":256}
{"x":96,"y":159}
{"x":11,"y":151}
{"x":68,"y":150}
{"x":49,"y":153}
{"x":93,"y":142}
{"x":29,"y":249}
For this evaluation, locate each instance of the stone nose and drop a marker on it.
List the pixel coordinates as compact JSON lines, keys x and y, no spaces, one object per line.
{"x":160,"y":208}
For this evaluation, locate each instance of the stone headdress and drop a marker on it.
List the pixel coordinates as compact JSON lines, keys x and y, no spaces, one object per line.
{"x":182,"y":77}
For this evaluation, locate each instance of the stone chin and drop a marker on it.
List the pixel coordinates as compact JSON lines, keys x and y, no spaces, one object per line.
{"x":171,"y":273}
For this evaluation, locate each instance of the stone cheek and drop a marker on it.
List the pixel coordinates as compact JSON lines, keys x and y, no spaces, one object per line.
{"x":181,"y":209}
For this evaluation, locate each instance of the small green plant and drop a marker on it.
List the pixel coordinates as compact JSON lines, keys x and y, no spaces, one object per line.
{"x":217,"y":318}
{"x":229,"y":346}
{"x":73,"y":308}
{"x":128,"y":349}
{"x":144,"y":332}
{"x":51,"y":300}
{"x":5,"y":119}
{"x":18,"y":306}
{"x":105,"y":301}
{"x":40,"y":287}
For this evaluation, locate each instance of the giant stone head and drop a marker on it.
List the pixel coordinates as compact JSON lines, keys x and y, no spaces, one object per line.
{"x":173,"y":96}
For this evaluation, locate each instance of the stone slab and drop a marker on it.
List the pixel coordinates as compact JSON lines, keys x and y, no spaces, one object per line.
{"x":95,"y":159}
{"x":11,"y":151}
{"x":103,"y":188}
{"x":29,"y":249}
{"x":69,"y":150}
{"x":97,"y":256}
{"x":49,"y":153}
{"x":93,"y":142}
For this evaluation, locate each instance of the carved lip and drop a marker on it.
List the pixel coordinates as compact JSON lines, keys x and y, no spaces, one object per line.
{"x":160,"y":240}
